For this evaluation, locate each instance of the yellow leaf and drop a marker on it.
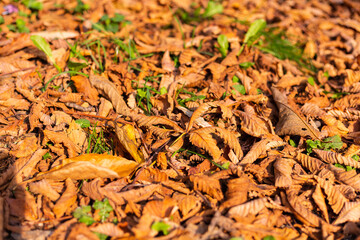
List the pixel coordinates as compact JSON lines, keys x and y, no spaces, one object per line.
{"x":126,"y":135}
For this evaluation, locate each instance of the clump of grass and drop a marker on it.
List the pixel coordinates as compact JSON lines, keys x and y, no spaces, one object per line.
{"x":276,"y":43}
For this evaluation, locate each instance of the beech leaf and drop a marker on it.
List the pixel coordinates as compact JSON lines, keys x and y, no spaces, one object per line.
{"x":290,"y":123}
{"x":89,"y":166}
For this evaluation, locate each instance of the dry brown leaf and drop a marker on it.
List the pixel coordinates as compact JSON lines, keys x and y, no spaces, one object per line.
{"x":230,"y":138}
{"x":108,"y":229}
{"x":251,"y":207}
{"x":16,"y":103}
{"x":92,"y":189}
{"x":160,"y":208}
{"x":197,"y":113}
{"x":25,"y":147}
{"x":207,"y":185}
{"x":333,"y":157}
{"x":252,"y":125}
{"x":350,"y":178}
{"x":319,"y":199}
{"x":291,"y":123}
{"x":202,"y":138}
{"x":109,"y":90}
{"x":157,"y":120}
{"x":334,"y":196}
{"x":66,"y":203}
{"x":311,"y":163}
{"x":283,"y":170}
{"x":44,"y":188}
{"x":335,"y":127}
{"x":23,"y":205}
{"x":56,"y":35}
{"x":237,"y":192}
{"x":350,"y":213}
{"x":77,"y":135}
{"x":189,"y":205}
{"x":83,"y":86}
{"x":76,"y":171}
{"x":135,"y":195}
{"x":256,"y":150}
{"x":302,"y":213}
{"x":161,"y":160}
{"x":152,"y":175}
{"x":58,"y":137}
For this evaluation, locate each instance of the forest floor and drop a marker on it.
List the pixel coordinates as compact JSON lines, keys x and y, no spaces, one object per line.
{"x":179,"y":119}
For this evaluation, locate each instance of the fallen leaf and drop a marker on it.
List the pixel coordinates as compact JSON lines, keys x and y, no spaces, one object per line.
{"x":290,"y":123}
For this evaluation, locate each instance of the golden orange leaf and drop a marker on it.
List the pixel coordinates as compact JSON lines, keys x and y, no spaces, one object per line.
{"x":88,"y":166}
{"x":208,"y":185}
{"x":67,"y":199}
{"x":202,"y":138}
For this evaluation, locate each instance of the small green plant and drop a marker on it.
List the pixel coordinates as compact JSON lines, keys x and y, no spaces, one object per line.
{"x":246,"y":65}
{"x":161,"y":227}
{"x":33,"y":5}
{"x":196,"y":16}
{"x":97,"y":142}
{"x":269,"y":237}
{"x":146,"y":93}
{"x":276,"y":43}
{"x":254,"y":32}
{"x":83,"y":214}
{"x":238,"y":87}
{"x":212,"y":9}
{"x":81,"y":7}
{"x":111,"y":24}
{"x":20,"y":26}
{"x":129,"y":49}
{"x":347,"y":168}
{"x":2,"y":19}
{"x":193,"y":97}
{"x":292,"y":143}
{"x":101,"y":236}
{"x":44,"y":46}
{"x":84,"y":123}
{"x":223,"y":45}
{"x":311,"y":81}
{"x":333,"y":142}
{"x":226,"y":165}
{"x":104,"y":208}
{"x":46,"y":155}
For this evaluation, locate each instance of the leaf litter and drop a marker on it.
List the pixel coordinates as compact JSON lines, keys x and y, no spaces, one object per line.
{"x":179,"y":119}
